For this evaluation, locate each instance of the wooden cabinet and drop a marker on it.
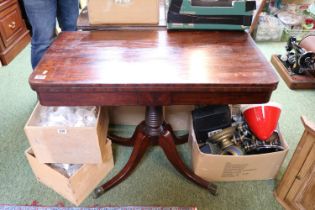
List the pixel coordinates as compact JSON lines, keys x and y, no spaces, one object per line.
{"x":14,"y":35}
{"x":297,"y":187}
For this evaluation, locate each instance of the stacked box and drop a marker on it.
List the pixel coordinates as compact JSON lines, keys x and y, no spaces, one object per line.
{"x":87,"y":146}
{"x":62,"y":144}
{"x":78,"y":186}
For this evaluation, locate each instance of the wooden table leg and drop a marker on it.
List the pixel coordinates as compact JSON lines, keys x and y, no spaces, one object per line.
{"x":141,"y":144}
{"x":153,"y":131}
{"x":166,"y":141}
{"x":177,"y":139}
{"x":126,"y":141}
{"x":130,"y":141}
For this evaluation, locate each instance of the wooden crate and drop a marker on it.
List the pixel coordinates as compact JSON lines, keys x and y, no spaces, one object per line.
{"x":77,"y":187}
{"x":297,"y":188}
{"x":61,"y":144}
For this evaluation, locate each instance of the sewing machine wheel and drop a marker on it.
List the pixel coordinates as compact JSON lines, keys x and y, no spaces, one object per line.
{"x":306,"y":61}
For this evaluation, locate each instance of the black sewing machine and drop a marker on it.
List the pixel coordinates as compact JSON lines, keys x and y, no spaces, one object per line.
{"x":299,"y":57}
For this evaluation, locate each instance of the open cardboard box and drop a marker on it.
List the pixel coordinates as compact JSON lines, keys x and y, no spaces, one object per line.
{"x":214,"y":167}
{"x":178,"y":116}
{"x":61,"y":144}
{"x":120,"y":12}
{"x":77,"y":187}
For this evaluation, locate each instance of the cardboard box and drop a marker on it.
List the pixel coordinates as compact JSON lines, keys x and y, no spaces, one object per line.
{"x":177,"y":116}
{"x":235,"y":168}
{"x":119,"y":12}
{"x":61,"y":144}
{"x":126,"y":115}
{"x":77,"y":187}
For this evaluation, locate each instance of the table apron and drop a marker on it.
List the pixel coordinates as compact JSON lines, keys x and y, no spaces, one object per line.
{"x":151,"y":98}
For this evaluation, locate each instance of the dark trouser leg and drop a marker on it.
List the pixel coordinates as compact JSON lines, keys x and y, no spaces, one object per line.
{"x":42,"y":17}
{"x":67,"y":14}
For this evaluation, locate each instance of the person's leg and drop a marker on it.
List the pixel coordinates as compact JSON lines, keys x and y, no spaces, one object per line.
{"x":42,"y":17}
{"x":67,"y":14}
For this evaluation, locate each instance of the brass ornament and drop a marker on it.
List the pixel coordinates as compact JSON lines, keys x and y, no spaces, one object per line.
{"x":224,"y":139}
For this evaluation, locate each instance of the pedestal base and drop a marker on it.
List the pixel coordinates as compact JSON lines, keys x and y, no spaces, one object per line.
{"x":153,"y":131}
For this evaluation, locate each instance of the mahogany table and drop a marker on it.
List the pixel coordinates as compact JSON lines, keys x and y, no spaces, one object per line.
{"x":153,"y":68}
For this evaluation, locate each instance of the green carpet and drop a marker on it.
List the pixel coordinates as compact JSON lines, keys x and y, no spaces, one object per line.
{"x":155,"y":182}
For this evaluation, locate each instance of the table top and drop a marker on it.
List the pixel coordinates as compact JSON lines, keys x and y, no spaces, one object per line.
{"x":153,"y":67}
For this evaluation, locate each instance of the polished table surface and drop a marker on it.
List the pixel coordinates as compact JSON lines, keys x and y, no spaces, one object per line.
{"x":153,"y":68}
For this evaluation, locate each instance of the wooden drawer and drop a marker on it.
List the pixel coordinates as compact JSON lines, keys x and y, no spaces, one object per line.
{"x":10,"y":24}
{"x":302,"y":191}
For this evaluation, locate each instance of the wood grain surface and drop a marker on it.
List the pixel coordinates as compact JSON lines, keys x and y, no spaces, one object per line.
{"x":153,"y":68}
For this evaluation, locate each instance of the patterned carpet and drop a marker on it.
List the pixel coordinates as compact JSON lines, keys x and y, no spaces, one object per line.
{"x":11,"y":207}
